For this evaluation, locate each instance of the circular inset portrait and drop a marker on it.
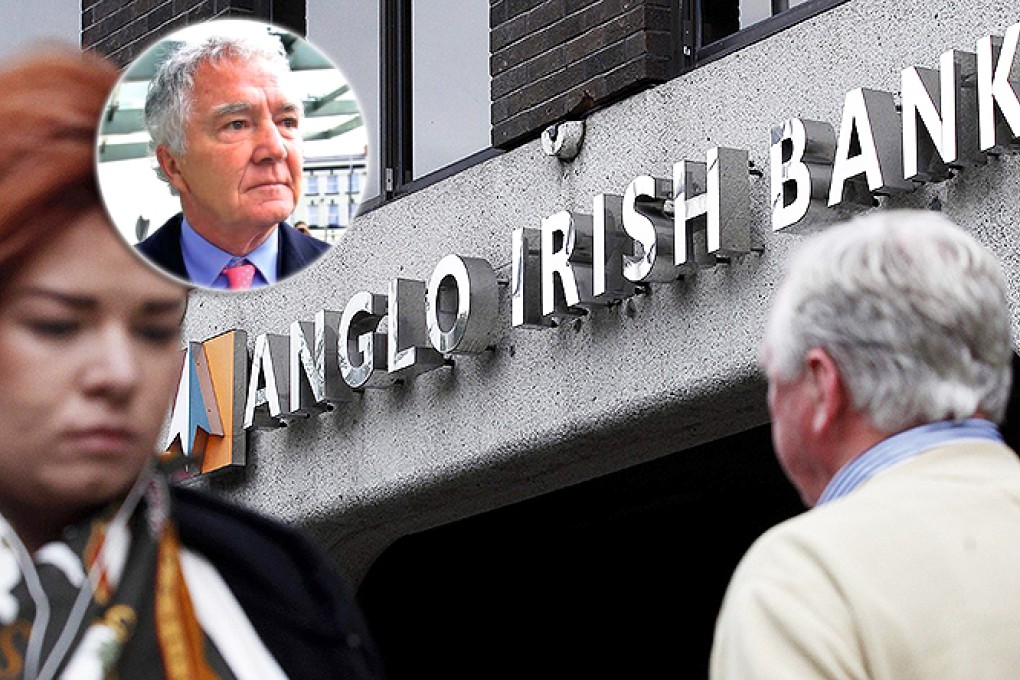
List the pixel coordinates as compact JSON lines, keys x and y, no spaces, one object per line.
{"x":232,"y":154}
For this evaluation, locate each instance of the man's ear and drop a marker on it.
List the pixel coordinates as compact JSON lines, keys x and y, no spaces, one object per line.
{"x":831,"y":396}
{"x":171,"y":167}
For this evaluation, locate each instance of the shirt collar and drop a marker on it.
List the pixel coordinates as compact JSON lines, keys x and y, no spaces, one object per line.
{"x":205,"y":262}
{"x":903,"y":446}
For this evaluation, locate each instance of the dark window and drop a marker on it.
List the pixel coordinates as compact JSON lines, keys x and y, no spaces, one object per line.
{"x":712,"y":28}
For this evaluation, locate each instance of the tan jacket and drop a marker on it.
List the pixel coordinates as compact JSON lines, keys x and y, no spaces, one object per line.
{"x":914,"y":575}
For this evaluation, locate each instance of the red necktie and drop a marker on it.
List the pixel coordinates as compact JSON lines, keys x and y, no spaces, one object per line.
{"x":240,"y":276}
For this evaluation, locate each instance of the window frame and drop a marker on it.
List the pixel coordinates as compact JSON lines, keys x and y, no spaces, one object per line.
{"x":696,"y":54}
{"x":396,"y":126}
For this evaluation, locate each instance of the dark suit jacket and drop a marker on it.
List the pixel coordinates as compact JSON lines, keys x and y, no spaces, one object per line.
{"x":297,"y":250}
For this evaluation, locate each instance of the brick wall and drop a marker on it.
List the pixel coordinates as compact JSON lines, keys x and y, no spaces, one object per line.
{"x":556,"y":60}
{"x":123,"y":29}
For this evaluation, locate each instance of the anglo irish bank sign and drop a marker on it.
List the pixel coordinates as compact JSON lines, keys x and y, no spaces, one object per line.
{"x":948,"y":119}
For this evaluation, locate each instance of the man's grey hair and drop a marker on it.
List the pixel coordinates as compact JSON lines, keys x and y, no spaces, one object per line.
{"x":168,"y":100}
{"x":910,"y":308}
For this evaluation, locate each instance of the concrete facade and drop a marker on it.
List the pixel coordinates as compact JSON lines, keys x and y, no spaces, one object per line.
{"x":658,"y":374}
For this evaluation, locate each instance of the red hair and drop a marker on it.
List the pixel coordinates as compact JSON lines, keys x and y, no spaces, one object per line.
{"x":50,"y":105}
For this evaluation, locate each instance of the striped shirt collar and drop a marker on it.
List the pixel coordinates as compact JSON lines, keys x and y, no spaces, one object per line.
{"x":902,"y":446}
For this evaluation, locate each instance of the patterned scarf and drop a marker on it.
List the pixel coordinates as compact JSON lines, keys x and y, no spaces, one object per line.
{"x":108,"y":600}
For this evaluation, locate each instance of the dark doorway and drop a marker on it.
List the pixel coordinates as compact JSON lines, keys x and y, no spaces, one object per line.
{"x":620,"y":576}
{"x":1010,"y":427}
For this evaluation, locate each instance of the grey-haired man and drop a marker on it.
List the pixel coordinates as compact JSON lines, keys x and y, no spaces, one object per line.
{"x":226,"y":127}
{"x":888,"y":358}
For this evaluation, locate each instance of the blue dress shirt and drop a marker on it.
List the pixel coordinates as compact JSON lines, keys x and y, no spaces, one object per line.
{"x":205,"y":262}
{"x":902,"y":446}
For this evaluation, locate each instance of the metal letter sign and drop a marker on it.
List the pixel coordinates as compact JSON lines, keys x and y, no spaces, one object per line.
{"x":408,"y":348}
{"x":461,"y":305}
{"x":643,"y":236}
{"x":608,"y":283}
{"x":269,"y":382}
{"x":651,"y":254}
{"x":947,"y":112}
{"x":567,"y":250}
{"x":869,"y":145}
{"x":316,"y":383}
{"x":362,"y":348}
{"x":800,"y":160}
{"x":712,"y":208}
{"x":998,"y":106}
{"x":690,"y":246}
{"x":525,"y":278}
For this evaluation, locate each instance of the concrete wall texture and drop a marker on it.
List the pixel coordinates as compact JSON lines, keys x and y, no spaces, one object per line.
{"x":658,"y":374}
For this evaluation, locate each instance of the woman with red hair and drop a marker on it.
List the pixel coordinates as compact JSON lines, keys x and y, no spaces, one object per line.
{"x":105,"y":570}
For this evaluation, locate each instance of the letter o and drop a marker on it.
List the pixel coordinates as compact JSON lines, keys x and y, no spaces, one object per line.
{"x":461,"y":305}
